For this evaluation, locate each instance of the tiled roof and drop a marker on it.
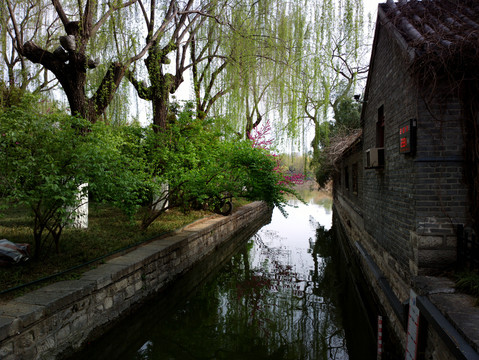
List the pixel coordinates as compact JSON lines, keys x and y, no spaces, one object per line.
{"x":341,"y":144}
{"x":435,"y":25}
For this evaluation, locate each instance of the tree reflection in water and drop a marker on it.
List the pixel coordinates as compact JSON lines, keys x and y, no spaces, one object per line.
{"x":293,"y":313}
{"x":261,"y":306}
{"x":276,"y":298}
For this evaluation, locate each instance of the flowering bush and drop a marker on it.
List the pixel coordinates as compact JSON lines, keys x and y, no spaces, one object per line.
{"x":261,"y":139}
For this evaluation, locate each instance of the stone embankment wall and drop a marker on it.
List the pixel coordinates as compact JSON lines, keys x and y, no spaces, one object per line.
{"x":449,"y":321}
{"x":58,"y":318}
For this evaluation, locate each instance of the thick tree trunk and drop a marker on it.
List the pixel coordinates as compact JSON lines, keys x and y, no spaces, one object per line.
{"x":161,"y":101}
{"x":74,"y":88}
{"x":72,"y":77}
{"x":162,"y":85}
{"x":160,"y":112}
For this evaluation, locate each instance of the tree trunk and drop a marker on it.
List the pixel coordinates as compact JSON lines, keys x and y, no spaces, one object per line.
{"x":162,"y":85}
{"x":161,"y":102}
{"x":72,"y":77}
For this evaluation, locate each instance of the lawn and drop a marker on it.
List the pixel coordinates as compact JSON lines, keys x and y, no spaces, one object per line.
{"x":109,"y":231}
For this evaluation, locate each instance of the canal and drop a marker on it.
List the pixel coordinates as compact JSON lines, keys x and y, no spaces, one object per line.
{"x":276,"y":293}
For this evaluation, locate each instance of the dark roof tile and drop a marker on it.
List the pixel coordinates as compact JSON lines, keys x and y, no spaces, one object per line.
{"x":435,"y":24}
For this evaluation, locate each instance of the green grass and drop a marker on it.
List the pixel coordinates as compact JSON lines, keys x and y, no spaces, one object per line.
{"x":468,"y":282}
{"x":109,"y":230}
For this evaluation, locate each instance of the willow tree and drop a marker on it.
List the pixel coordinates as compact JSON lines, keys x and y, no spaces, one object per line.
{"x":71,"y":59}
{"x":245,"y":82}
{"x":282,"y":60}
{"x":17,"y":74}
{"x":178,"y":25}
{"x":332,"y":63}
{"x":334,"y":49}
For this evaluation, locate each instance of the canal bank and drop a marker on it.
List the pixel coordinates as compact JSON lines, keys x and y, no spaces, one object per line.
{"x":58,"y":319}
{"x":280,"y":295}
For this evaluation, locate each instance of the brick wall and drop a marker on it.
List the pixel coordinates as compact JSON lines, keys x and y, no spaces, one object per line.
{"x":388,"y":191}
{"x":349,"y":178}
{"x":411,"y":204}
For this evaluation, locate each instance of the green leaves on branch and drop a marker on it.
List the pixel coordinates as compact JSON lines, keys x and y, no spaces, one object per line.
{"x":45,"y":157}
{"x":201,"y":168}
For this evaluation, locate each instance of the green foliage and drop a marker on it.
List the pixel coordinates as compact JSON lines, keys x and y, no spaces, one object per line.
{"x":347,"y":116}
{"x":468,"y":283}
{"x":202,"y":169}
{"x":45,"y":157}
{"x":323,"y":169}
{"x":279,"y":61}
{"x":9,"y":96}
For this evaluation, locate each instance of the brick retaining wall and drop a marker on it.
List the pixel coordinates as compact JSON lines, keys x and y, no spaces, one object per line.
{"x":60,"y":317}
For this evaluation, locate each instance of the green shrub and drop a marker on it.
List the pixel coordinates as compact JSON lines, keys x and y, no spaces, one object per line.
{"x":45,"y":157}
{"x":468,"y":283}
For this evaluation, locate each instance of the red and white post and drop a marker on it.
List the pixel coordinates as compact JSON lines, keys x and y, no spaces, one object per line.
{"x":380,"y":337}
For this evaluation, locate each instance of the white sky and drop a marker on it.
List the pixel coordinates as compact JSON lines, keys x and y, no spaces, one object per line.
{"x":372,"y":6}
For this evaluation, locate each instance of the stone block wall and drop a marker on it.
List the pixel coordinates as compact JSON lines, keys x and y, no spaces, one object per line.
{"x":449,"y":325}
{"x":349,"y":180}
{"x":59,"y":318}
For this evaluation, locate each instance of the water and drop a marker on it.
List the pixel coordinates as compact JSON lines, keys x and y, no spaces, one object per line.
{"x":278,"y":297}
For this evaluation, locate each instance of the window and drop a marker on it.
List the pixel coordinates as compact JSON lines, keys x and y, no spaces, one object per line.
{"x":346,"y":178}
{"x":355,"y":178}
{"x":380,"y":128}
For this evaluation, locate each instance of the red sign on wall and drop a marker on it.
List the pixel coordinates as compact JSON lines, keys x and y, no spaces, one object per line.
{"x":407,"y":136}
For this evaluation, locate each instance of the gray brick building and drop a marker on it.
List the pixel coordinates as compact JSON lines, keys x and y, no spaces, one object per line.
{"x":402,"y":187}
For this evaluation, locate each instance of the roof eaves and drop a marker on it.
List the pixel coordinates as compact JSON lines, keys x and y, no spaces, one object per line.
{"x":343,"y":147}
{"x":410,"y":51}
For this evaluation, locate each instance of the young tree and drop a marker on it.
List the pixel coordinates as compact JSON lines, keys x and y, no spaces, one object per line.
{"x":44,"y":160}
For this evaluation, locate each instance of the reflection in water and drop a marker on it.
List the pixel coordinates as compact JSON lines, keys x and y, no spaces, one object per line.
{"x":296,"y":314}
{"x":277,"y":298}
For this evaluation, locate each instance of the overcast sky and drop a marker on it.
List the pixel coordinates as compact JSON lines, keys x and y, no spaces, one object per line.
{"x":372,"y":7}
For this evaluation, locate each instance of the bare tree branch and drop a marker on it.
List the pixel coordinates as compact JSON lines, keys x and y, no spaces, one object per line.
{"x":60,"y":12}
{"x":107,"y":14}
